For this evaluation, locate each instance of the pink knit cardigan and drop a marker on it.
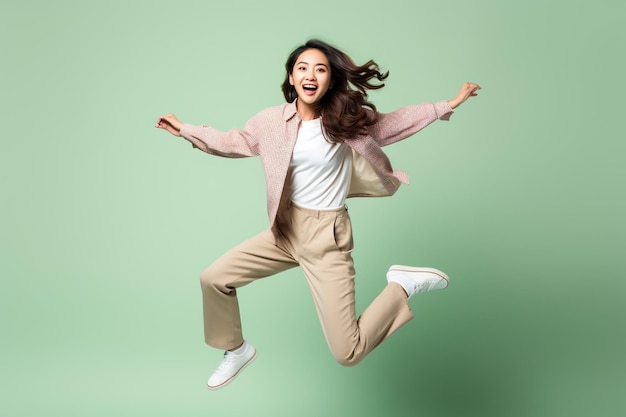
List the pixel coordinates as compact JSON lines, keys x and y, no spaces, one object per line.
{"x":271,"y":134}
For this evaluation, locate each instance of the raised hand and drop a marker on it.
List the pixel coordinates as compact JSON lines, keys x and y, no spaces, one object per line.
{"x":467,"y":90}
{"x":170,"y":123}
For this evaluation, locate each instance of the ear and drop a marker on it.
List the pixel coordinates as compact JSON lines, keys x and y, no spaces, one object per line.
{"x":290,"y":79}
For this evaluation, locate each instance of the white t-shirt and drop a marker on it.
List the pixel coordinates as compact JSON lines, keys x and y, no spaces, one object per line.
{"x":319,"y":171}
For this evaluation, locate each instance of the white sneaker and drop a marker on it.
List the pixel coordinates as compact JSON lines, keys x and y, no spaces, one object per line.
{"x":230,"y":366}
{"x":416,"y":280}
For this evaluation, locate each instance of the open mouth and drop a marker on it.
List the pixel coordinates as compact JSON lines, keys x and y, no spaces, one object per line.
{"x":309,"y":88}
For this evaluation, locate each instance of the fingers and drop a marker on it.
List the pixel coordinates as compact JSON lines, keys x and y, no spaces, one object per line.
{"x":170,"y":123}
{"x":164,"y":121}
{"x":471,"y":87}
{"x":467,"y":90}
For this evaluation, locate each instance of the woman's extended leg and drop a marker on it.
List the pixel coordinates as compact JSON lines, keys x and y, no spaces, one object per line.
{"x":257,"y":257}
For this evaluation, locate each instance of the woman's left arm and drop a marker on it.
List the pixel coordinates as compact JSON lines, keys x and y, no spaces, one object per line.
{"x":467,"y":90}
{"x":406,"y":121}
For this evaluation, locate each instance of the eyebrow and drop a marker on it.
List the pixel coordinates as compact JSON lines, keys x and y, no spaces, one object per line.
{"x":319,"y":63}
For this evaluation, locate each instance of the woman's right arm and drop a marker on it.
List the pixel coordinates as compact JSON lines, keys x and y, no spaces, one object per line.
{"x":170,"y":123}
{"x":232,"y":144}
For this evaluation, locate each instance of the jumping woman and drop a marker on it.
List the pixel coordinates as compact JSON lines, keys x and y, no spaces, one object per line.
{"x":320,"y":147}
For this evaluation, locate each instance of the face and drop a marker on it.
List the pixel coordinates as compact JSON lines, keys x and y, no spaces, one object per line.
{"x":310,"y":77}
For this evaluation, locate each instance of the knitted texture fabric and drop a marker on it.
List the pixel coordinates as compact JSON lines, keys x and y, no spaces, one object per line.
{"x":271,"y":134}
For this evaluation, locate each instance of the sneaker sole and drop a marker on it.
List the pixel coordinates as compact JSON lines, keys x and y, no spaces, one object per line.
{"x":234,"y":376}
{"x":421,"y":269}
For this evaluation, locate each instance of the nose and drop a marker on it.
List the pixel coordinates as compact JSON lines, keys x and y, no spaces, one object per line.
{"x":310,"y":75}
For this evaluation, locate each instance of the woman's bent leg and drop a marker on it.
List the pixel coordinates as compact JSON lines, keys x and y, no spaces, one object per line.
{"x":350,"y":339}
{"x":327,"y":263}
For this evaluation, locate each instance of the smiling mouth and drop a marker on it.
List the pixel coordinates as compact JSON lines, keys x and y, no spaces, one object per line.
{"x":309,"y":87}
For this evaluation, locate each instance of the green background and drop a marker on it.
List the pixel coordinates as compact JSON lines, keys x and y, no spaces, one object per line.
{"x":106,"y":222}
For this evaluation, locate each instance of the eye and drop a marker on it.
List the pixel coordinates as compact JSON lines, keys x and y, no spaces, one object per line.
{"x":321,"y":69}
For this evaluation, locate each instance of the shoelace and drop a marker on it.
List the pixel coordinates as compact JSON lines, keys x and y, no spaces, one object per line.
{"x":229,"y":357}
{"x":424,"y":285}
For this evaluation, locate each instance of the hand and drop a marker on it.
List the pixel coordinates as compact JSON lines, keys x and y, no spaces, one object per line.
{"x":170,"y":123}
{"x":468,"y":90}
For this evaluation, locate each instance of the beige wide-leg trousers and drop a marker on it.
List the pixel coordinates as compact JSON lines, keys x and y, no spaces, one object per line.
{"x":321,"y":243}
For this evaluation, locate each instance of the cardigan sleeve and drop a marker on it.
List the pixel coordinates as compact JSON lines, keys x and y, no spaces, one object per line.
{"x":406,"y":121}
{"x":234,"y":143}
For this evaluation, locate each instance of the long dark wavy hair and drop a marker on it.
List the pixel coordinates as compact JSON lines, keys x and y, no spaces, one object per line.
{"x":344,"y":106}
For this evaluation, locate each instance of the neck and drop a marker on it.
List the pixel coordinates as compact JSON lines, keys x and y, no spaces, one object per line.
{"x":307,"y":112}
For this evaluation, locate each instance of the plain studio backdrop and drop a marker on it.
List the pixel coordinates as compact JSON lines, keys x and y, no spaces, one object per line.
{"x":106,"y":222}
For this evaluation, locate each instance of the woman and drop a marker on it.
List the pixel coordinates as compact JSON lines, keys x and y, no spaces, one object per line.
{"x":319,"y":148}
